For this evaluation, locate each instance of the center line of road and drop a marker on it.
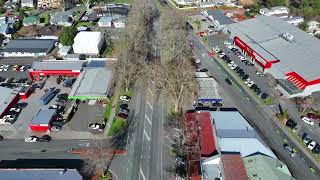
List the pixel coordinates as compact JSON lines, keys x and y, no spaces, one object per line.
{"x":145,"y":133}
{"x":141,"y":172}
{"x":148,"y":119}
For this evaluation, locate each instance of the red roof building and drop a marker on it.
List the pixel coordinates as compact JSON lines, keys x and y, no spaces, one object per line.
{"x":207,"y":138}
{"x":233,"y":167}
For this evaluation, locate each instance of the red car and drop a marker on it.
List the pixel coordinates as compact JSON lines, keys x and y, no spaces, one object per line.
{"x":122,"y":115}
{"x":313,"y":116}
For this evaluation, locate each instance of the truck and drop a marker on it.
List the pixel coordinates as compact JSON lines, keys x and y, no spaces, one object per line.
{"x":47,"y":97}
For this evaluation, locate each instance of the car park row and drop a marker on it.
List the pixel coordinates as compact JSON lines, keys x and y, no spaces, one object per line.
{"x":21,"y":68}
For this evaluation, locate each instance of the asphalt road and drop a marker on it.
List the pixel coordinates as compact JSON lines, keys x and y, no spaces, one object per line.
{"x":256,"y":116}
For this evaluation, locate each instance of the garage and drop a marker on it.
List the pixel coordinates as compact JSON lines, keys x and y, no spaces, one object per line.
{"x":42,"y":121}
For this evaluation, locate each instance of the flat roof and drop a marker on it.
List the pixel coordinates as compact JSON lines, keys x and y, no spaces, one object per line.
{"x":220,"y":16}
{"x":40,"y":174}
{"x":207,"y":135}
{"x":93,"y":82}
{"x":6,"y":96}
{"x":208,"y":88}
{"x":43,"y":116}
{"x":30,"y":45}
{"x":301,"y":55}
{"x":233,"y":167}
{"x":57,"y":65}
{"x":230,"y":124}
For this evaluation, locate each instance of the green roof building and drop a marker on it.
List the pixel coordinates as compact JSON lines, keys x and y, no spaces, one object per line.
{"x":31,"y":20}
{"x":260,"y":167}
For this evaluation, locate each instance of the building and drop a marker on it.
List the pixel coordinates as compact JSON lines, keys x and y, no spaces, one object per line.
{"x":31,"y":20}
{"x":93,"y":83}
{"x":62,"y":68}
{"x":105,"y":21}
{"x":294,"y":20}
{"x":27,"y":3}
{"x":49,"y":4}
{"x":313,"y":27}
{"x":284,"y":51}
{"x":184,"y":2}
{"x":279,"y":11}
{"x":8,"y":97}
{"x":42,"y":120}
{"x":7,"y":26}
{"x":217,"y":18}
{"x":28,"y":47}
{"x":208,"y":90}
{"x":50,"y":32}
{"x":39,"y":174}
{"x":88,"y":42}
{"x":62,"y":18}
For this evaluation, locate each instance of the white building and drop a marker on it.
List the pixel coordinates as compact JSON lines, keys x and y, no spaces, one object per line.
{"x":279,"y":11}
{"x":313,"y":27}
{"x":27,"y":3}
{"x":88,"y":42}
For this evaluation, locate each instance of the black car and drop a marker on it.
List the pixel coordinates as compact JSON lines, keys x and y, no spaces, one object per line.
{"x":1,"y":138}
{"x":204,"y":70}
{"x":124,"y":106}
{"x":264,"y":96}
{"x":246,"y":76}
{"x":45,"y":138}
{"x":253,"y":87}
{"x":241,"y":74}
{"x":316,"y":149}
{"x":291,"y":124}
{"x":63,"y":96}
{"x":239,"y":70}
{"x":228,"y":81}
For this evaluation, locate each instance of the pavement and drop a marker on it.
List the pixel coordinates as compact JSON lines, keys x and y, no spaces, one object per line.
{"x":116,"y":95}
{"x":259,"y":117}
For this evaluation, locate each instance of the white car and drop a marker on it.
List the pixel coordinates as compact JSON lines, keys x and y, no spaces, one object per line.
{"x":221,"y":55}
{"x":311,"y":145}
{"x":216,"y":49}
{"x":197,"y":61}
{"x":226,"y":43}
{"x":230,"y":46}
{"x":242,"y":58}
{"x":31,"y":139}
{"x":125,"y":98}
{"x":22,"y":68}
{"x":4,"y":121}
{"x":15,"y":109}
{"x":307,"y":120}
{"x":6,"y":67}
{"x":55,"y":128}
{"x":234,"y":66}
{"x":247,"y":81}
{"x":251,"y":83}
{"x":10,"y":117}
{"x":231,"y":63}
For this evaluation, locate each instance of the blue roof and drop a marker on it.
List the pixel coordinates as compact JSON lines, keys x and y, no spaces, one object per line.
{"x":43,"y":116}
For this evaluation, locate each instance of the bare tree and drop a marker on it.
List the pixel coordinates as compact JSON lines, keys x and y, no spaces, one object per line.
{"x":87,"y":4}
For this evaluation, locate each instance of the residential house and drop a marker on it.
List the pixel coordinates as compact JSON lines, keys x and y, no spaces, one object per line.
{"x":62,"y":18}
{"x":217,"y":18}
{"x":50,"y":32}
{"x":313,"y":27}
{"x":118,"y":21}
{"x":88,"y":42}
{"x":7,"y":26}
{"x":279,"y":11}
{"x":10,"y":5}
{"x":31,"y":20}
{"x":28,"y":3}
{"x":49,"y":4}
{"x":184,"y":2}
{"x":294,"y":20}
{"x":105,"y":21}
{"x":91,"y":17}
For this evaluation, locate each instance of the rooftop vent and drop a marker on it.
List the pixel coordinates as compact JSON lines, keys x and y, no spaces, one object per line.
{"x":287,"y":36}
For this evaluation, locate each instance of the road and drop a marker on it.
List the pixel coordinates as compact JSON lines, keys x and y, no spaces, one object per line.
{"x":256,"y":116}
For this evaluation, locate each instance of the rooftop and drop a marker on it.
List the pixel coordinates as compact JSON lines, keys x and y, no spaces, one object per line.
{"x":93,"y":82}
{"x":208,"y":87}
{"x":89,"y":38}
{"x":233,"y":167}
{"x":6,"y":96}
{"x":220,"y":16}
{"x":29,"y":45}
{"x":43,"y":116}
{"x":264,"y":167}
{"x":207,"y":135}
{"x":230,"y":124}
{"x":40,"y":174}
{"x":57,"y":65}
{"x":263,"y":34}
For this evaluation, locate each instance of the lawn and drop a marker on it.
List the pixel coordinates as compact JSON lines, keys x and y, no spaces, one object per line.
{"x":108,"y":110}
{"x":116,"y":126}
{"x":86,"y":24}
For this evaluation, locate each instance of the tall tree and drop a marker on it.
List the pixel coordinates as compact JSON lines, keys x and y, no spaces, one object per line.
{"x":67,"y":35}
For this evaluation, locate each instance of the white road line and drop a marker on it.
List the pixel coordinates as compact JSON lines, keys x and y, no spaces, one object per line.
{"x":141,"y":172}
{"x":149,"y":104}
{"x":148,"y":119}
{"x":145,"y":133}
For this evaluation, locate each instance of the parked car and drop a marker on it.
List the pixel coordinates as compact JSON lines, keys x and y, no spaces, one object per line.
{"x":307,"y":120}
{"x":31,"y":139}
{"x":245,"y":76}
{"x":10,"y":117}
{"x":15,"y":110}
{"x":306,"y":138}
{"x":264,"y":96}
{"x":56,"y":106}
{"x":21,"y":105}
{"x":122,"y":115}
{"x":250,"y":84}
{"x":1,"y":138}
{"x":291,"y":124}
{"x":22,"y":68}
{"x":312,"y":116}
{"x":63,"y":96}
{"x":55,"y":128}
{"x":125,"y":98}
{"x":289,"y":150}
{"x":316,"y":149}
{"x":228,"y":81}
{"x":95,"y":126}
{"x":45,"y":138}
{"x":124,"y":106}
{"x":311,"y":145}
{"x":204,"y":70}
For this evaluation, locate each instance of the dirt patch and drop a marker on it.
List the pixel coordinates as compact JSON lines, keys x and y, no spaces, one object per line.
{"x":247,"y":2}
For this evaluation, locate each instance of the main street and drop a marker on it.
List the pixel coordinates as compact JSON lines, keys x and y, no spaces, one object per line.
{"x":256,"y":115}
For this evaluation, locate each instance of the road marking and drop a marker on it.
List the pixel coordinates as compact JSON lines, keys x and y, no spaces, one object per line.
{"x":149,"y":104}
{"x":148,"y":119}
{"x":141,"y":172}
{"x":145,"y":133}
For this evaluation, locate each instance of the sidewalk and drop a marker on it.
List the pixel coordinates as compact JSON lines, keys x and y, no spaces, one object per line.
{"x":116,"y":95}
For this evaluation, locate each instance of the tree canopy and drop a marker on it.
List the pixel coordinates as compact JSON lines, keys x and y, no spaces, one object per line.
{"x":67,"y":35}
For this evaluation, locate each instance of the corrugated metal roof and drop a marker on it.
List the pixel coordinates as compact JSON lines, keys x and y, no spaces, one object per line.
{"x":43,"y":116}
{"x":40,"y":174}
{"x":30,"y":45}
{"x":220,"y":16}
{"x":208,"y":88}
{"x":57,"y":65}
{"x":301,"y":55}
{"x":6,"y":96}
{"x":92,"y":82}
{"x":207,"y":135}
{"x":231,"y":124}
{"x":233,"y":167}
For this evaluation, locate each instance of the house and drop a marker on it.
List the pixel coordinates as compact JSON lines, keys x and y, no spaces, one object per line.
{"x":31,"y":20}
{"x":10,"y":5}
{"x":88,"y":42}
{"x":28,"y":3}
{"x":313,"y":27}
{"x":28,"y":47}
{"x":118,"y":21}
{"x":105,"y":21}
{"x":62,"y":18}
{"x":294,"y":20}
{"x":217,"y":18}
{"x":91,"y":16}
{"x":184,"y":2}
{"x":50,"y":32}
{"x":49,"y":4}
{"x":7,"y":26}
{"x":279,"y":11}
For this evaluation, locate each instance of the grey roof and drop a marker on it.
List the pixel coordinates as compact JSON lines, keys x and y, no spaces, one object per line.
{"x":105,"y":19}
{"x":57,"y":65}
{"x":43,"y":116}
{"x":40,"y":174}
{"x":92,"y":82}
{"x":220,"y":16}
{"x":244,"y":146}
{"x":62,"y":16}
{"x":30,"y":45}
{"x":210,"y":167}
{"x":208,"y":88}
{"x":291,"y":18}
{"x":6,"y":96}
{"x":231,"y":124}
{"x":263,"y":34}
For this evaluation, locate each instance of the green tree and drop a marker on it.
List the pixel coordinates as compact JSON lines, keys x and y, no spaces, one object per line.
{"x":67,"y":35}
{"x":272,"y":3}
{"x":303,"y":26}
